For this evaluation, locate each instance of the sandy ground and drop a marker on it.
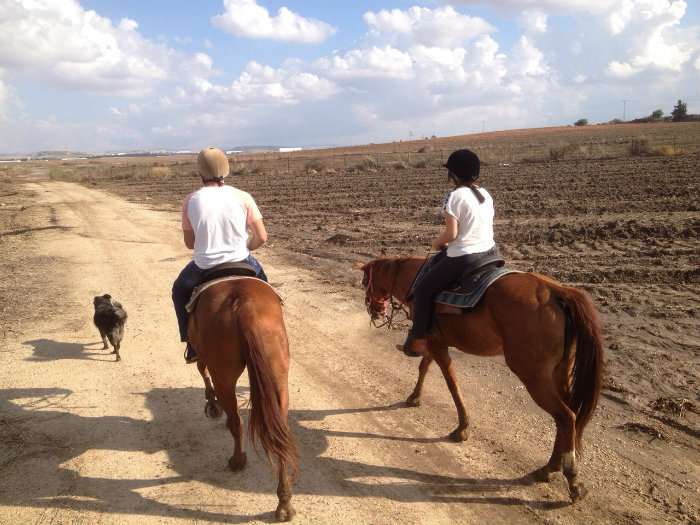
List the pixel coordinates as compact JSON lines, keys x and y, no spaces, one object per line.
{"x":84,"y":439}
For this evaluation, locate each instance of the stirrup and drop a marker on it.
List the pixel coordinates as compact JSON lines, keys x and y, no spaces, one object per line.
{"x":190,"y":355}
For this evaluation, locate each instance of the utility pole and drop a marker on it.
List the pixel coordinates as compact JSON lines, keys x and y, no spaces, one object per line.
{"x":624,"y":107}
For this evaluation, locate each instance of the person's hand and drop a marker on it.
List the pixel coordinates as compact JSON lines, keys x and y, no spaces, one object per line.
{"x":436,"y":245}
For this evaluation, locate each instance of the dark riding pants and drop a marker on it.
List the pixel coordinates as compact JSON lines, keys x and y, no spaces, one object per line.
{"x":190,"y":277}
{"x":443,"y":271}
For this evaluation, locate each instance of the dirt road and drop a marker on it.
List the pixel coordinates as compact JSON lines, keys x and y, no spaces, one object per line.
{"x":84,"y":439}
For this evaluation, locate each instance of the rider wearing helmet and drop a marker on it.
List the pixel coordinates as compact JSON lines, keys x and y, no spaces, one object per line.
{"x":468,"y":236}
{"x":216,"y":222}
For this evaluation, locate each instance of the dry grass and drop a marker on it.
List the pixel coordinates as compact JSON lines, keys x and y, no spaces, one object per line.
{"x":610,"y":141}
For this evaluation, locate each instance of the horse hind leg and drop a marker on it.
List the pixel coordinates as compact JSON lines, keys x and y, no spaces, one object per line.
{"x":285,"y":511}
{"x":234,"y":422}
{"x":548,"y":393}
{"x":212,"y":408}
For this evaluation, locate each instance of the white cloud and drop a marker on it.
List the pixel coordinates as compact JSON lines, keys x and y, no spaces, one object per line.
{"x":245,"y":18}
{"x":527,"y":59}
{"x":619,"y":69}
{"x":549,"y":6}
{"x":534,"y":20}
{"x":376,"y":62}
{"x":77,"y":49}
{"x":441,"y":27}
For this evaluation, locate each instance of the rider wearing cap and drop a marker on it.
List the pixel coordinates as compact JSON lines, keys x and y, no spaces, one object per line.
{"x":468,"y":235}
{"x":221,"y":224}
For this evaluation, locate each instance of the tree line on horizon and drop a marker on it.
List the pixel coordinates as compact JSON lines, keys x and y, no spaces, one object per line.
{"x":679,"y":114}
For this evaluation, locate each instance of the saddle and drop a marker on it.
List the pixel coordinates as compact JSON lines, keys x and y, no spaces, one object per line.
{"x":221,"y":272}
{"x":229,"y":268}
{"x":465,"y":293}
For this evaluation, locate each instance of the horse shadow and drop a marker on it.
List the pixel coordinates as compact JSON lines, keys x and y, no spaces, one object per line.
{"x":50,"y":350}
{"x":38,"y":436}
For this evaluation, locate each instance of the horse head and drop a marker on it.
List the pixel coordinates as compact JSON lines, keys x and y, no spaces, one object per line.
{"x":377,"y":284}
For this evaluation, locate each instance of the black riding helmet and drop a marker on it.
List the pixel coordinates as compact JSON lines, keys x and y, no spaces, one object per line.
{"x":465,"y":165}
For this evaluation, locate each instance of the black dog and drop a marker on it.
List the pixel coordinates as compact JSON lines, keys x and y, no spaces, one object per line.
{"x":109,"y":319}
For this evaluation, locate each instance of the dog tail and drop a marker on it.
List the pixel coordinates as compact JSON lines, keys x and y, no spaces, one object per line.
{"x":119,"y":311}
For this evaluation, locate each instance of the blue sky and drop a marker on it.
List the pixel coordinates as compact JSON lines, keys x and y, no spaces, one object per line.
{"x":101,"y":75}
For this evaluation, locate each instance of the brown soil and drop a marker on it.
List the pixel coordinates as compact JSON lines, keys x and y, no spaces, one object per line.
{"x":85,"y":439}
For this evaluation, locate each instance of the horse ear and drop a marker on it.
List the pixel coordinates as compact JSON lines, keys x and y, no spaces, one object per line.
{"x":360,"y":265}
{"x":383,"y":255}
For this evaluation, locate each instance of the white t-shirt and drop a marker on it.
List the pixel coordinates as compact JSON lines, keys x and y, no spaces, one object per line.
{"x":474,"y":221}
{"x":219,"y":216}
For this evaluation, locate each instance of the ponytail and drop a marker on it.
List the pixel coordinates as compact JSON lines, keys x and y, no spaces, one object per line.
{"x":476,"y":192}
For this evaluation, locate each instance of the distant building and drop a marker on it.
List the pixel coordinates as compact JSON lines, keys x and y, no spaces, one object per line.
{"x":287,"y":150}
{"x":233,"y":152}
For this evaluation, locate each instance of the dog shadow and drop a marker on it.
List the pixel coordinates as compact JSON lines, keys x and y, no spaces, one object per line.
{"x":50,"y":350}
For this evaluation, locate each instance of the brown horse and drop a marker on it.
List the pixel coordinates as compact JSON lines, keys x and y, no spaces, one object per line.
{"x":238,"y":324}
{"x":549,"y":335}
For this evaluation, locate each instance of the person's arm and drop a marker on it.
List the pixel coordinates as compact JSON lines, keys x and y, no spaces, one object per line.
{"x":188,"y":236}
{"x":448,"y":235}
{"x":259,"y":235}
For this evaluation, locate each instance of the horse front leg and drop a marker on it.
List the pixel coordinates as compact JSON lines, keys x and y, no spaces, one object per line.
{"x":444,"y":361}
{"x":285,"y":511}
{"x":414,"y":399}
{"x":211,"y":408}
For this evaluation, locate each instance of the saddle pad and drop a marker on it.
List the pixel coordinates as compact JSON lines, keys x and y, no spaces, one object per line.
{"x":197,"y":291}
{"x":471,"y":298}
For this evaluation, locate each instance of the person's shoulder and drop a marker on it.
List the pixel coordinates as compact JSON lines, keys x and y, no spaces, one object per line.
{"x":188,"y":197}
{"x":242,"y":194}
{"x":462,"y":193}
{"x":485,"y":193}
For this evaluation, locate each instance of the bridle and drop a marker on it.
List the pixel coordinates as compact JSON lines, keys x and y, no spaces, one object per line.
{"x":377,"y":306}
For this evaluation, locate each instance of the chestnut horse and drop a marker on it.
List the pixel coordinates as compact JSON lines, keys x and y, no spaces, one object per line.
{"x":236,"y":324}
{"x":549,"y":335}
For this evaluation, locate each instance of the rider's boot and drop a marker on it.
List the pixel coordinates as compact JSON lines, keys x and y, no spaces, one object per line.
{"x":406,"y":347}
{"x":190,"y":354}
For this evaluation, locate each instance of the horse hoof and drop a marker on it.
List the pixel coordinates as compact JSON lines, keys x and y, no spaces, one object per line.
{"x":213,"y":410}
{"x":413,"y":402}
{"x":118,"y":358}
{"x":239,"y":463}
{"x":285,"y":513}
{"x":542,"y":474}
{"x":577,"y":492}
{"x":458,"y":435}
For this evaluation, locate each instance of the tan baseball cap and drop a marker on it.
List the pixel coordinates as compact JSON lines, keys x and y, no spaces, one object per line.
{"x":212,"y":163}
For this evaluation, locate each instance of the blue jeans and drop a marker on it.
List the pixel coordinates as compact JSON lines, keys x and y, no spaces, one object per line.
{"x":192,"y":276}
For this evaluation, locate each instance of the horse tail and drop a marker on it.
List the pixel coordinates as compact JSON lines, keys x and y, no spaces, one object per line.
{"x":586,"y":376}
{"x":267,"y":421}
